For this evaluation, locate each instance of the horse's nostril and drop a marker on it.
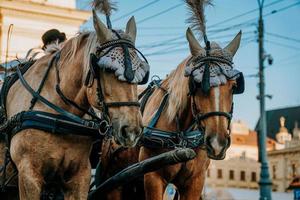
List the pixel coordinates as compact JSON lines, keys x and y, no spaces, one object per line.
{"x":208,"y":144}
{"x":124,"y":132}
{"x":208,"y":141}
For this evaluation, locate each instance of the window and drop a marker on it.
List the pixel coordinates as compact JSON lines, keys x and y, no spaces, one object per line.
{"x":253,"y":176}
{"x":231,"y":175}
{"x":293,"y":170}
{"x":243,"y":175}
{"x":220,"y":175}
{"x":274,"y":172}
{"x":208,"y":173}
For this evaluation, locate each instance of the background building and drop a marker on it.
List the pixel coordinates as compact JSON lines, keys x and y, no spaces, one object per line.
{"x":31,"y":18}
{"x":285,"y":158}
{"x":240,"y":168}
{"x":291,"y":116}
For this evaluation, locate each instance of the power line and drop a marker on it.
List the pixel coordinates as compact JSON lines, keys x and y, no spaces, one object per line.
{"x":162,"y":42}
{"x":283,"y":37}
{"x":283,"y":45}
{"x":221,"y":22}
{"x":245,"y":13}
{"x":173,"y":41}
{"x":240,"y":25}
{"x":167,"y":52}
{"x":288,"y":58}
{"x":184,"y":41}
{"x":160,"y":13}
{"x":176,"y":49}
{"x":251,"y":21}
{"x":282,"y":9}
{"x":136,"y":10}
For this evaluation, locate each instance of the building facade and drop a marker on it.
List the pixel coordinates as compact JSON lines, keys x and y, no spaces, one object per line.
{"x":31,"y":18}
{"x":238,"y":172}
{"x":240,"y":168}
{"x":285,"y":160}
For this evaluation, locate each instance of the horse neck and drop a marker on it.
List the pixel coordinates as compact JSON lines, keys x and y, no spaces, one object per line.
{"x":178,"y":107}
{"x":71,"y":83}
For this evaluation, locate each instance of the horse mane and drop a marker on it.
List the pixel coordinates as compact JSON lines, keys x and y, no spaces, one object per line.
{"x":177,"y":86}
{"x":86,"y":42}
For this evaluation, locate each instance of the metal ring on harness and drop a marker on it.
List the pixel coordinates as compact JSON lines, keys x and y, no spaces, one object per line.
{"x":104,"y":127}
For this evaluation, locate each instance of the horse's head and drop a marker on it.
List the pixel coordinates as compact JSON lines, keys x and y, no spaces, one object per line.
{"x":116,"y":70}
{"x":213,"y":81}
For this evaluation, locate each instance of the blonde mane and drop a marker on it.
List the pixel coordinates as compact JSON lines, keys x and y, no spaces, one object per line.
{"x":177,"y":86}
{"x":86,"y":42}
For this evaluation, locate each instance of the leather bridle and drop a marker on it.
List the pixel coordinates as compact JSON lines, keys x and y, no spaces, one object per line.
{"x":198,"y":115}
{"x":94,"y":72}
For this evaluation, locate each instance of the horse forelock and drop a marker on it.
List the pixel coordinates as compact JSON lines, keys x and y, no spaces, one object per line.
{"x":178,"y":89}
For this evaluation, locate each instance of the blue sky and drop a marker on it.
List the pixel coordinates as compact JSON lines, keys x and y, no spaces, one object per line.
{"x":161,"y":38}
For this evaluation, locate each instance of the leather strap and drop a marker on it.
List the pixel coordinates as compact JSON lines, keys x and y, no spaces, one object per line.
{"x":45,"y":101}
{"x":120,"y":104}
{"x":156,"y":117}
{"x":201,"y":117}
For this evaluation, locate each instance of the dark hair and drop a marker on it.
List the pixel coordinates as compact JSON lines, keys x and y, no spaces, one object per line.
{"x":53,"y":35}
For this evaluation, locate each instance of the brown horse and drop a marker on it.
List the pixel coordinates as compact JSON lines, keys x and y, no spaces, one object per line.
{"x":196,"y":96}
{"x":187,"y":177}
{"x":41,"y":157}
{"x":181,"y":111}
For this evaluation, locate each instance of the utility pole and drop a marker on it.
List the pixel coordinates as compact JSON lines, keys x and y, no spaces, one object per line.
{"x":264,"y":182}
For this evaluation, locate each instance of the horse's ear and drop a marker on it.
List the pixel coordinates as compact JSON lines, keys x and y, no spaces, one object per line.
{"x":103,"y":33}
{"x":233,"y":46}
{"x":131,"y":28}
{"x":195,"y":47}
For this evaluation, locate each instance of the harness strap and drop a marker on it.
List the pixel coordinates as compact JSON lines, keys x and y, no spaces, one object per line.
{"x":156,"y":117}
{"x":201,"y":117}
{"x":64,"y":98}
{"x":119,"y":104}
{"x":45,"y":101}
{"x":54,"y":123}
{"x":156,"y":138}
{"x":53,"y":59}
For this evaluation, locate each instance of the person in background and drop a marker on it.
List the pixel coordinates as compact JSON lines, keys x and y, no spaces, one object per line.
{"x":52,"y":36}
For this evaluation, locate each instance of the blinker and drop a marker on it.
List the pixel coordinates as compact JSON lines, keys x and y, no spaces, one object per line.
{"x":240,"y":84}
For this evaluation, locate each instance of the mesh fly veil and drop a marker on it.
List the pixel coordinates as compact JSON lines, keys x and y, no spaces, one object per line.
{"x":112,"y":59}
{"x":214,"y":66}
{"x":220,"y":72}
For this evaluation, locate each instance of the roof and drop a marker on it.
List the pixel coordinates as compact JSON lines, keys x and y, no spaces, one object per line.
{"x":291,"y":114}
{"x":249,"y":140}
{"x":284,"y":151}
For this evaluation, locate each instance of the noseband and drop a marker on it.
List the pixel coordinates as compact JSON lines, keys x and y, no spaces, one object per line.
{"x":199,"y":116}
